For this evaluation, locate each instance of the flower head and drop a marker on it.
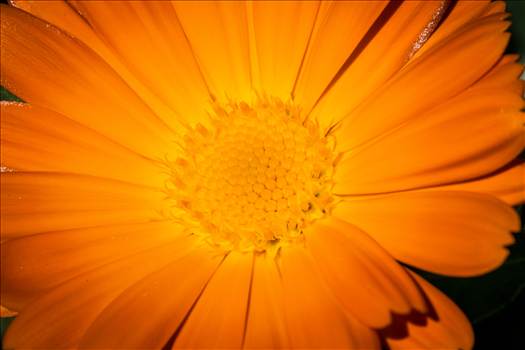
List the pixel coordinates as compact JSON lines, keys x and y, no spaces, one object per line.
{"x":250,"y":174}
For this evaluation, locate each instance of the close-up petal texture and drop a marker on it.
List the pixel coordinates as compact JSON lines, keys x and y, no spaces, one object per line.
{"x":254,"y":174}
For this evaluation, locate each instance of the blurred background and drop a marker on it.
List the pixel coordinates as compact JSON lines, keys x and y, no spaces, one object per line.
{"x":495,"y":303}
{"x":517,"y":41}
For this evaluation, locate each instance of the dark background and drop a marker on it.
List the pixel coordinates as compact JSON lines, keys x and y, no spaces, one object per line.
{"x":495,"y":303}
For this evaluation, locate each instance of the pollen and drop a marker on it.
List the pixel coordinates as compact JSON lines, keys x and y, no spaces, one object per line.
{"x":255,"y":178}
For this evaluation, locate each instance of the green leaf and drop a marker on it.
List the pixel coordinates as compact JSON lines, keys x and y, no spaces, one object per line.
{"x":5,"y":95}
{"x":4,"y":323}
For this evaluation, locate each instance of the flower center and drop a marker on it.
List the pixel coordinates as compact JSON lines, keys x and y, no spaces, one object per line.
{"x":256,"y":178}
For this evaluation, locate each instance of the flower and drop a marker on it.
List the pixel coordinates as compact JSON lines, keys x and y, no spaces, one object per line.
{"x":249,"y":174}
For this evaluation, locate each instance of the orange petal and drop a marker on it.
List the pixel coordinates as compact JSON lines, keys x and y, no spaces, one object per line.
{"x":383,"y":52}
{"x":72,"y":307}
{"x":37,"y":139}
{"x":461,"y":13}
{"x":430,"y":80}
{"x":225,"y":59}
{"x":496,"y":6}
{"x":42,"y":202}
{"x":164,"y":303}
{"x":39,"y":67}
{"x":339,"y":28}
{"x":505,"y":75}
{"x":508,"y":184}
{"x":62,"y":15}
{"x":266,"y":325}
{"x":148,"y":39}
{"x":470,"y":136}
{"x":449,"y":329}
{"x":279,"y":34}
{"x":313,"y":316}
{"x":435,"y":230}
{"x":66,"y":16}
{"x":34,"y":264}
{"x":5,"y":312}
{"x":219,"y":316}
{"x":345,"y":255}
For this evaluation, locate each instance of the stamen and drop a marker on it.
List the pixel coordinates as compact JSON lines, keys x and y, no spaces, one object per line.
{"x":257,"y":177}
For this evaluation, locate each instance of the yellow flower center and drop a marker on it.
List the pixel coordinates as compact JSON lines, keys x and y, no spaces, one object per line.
{"x":254,"y":179}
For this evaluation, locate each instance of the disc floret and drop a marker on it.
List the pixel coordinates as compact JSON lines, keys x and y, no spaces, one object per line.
{"x":256,"y":177}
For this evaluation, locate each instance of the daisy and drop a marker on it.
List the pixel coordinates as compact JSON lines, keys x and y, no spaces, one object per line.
{"x":252,"y":174}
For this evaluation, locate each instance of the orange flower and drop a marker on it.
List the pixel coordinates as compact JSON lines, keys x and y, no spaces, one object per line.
{"x":248,"y":174}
